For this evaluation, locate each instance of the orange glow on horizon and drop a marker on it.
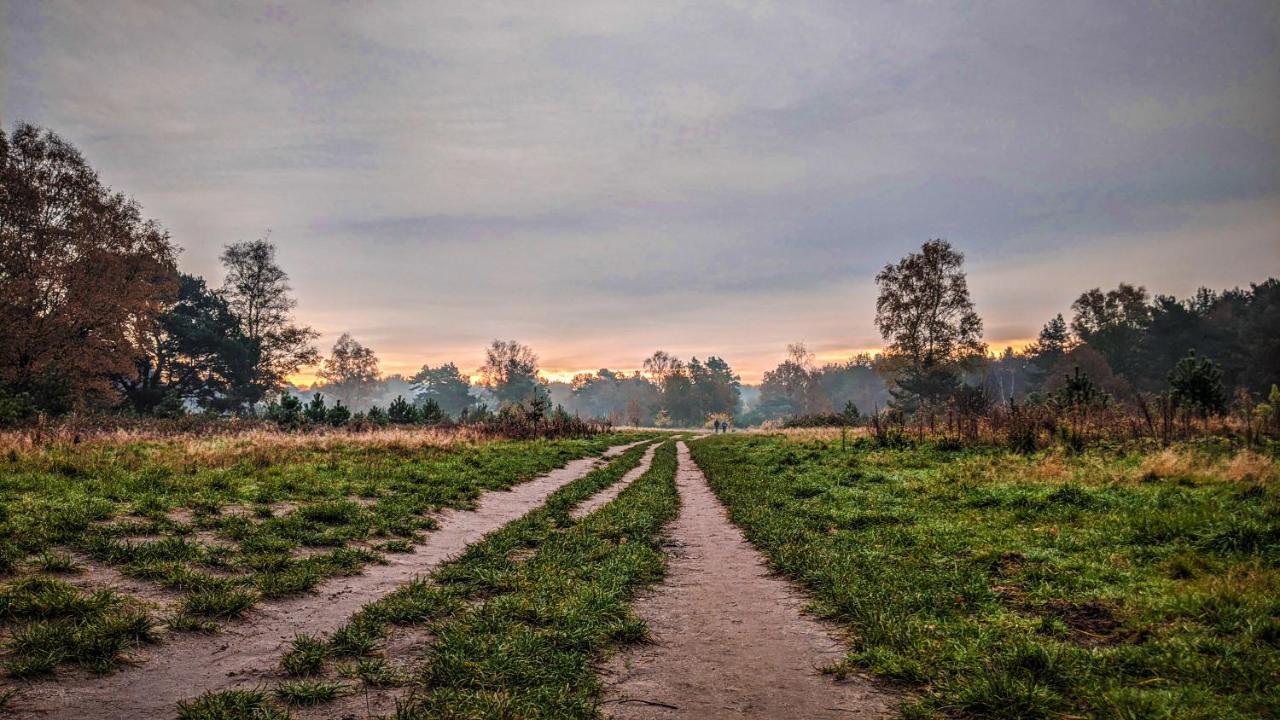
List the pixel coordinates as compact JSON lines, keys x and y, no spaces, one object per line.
{"x":750,"y":373}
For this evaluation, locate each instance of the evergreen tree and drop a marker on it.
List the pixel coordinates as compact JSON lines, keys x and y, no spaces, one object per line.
{"x":1195,"y":383}
{"x":446,"y":385}
{"x":402,"y":412}
{"x":315,"y":410}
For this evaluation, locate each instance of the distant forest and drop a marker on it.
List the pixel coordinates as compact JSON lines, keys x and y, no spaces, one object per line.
{"x":96,"y":316}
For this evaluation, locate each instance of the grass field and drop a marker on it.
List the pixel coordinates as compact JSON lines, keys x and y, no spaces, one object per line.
{"x":1108,"y":584}
{"x":515,"y":623}
{"x":216,"y":525}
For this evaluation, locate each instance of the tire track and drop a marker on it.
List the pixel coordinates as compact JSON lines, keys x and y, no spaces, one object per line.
{"x":191,"y":664}
{"x":606,"y":496}
{"x":729,"y":639}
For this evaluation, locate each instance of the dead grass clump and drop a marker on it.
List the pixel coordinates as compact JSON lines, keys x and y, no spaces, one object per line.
{"x":816,"y":433}
{"x":259,"y":446}
{"x":1168,"y":464}
{"x":1245,"y":466}
{"x":1052,"y":466}
{"x":268,"y":447}
{"x":1248,"y":466}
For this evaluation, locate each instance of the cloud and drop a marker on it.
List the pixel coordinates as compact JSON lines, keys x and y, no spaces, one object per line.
{"x":602,"y":179}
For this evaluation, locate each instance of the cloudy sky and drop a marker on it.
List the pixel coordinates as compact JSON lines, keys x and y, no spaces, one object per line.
{"x":601,"y":180}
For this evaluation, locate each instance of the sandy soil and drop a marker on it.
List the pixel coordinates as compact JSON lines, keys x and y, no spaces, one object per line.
{"x":729,"y":640}
{"x":247,"y":651}
{"x":607,"y":495}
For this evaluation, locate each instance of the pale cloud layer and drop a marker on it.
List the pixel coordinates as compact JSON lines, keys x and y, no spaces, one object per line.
{"x":603,"y":179}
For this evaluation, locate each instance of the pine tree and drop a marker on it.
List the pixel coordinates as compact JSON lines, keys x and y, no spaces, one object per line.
{"x":1196,"y":384}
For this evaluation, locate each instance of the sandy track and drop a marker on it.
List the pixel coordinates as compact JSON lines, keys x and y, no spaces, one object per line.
{"x":405,"y":647}
{"x":604,"y":497}
{"x":729,"y":640}
{"x":191,"y":664}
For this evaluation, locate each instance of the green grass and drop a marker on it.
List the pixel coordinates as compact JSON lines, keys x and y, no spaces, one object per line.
{"x":372,"y":672}
{"x":232,"y":705}
{"x":305,"y":657}
{"x":308,"y":692}
{"x":227,"y":523}
{"x":51,"y":622}
{"x":519,"y":619}
{"x":491,"y":560}
{"x":1110,"y":584}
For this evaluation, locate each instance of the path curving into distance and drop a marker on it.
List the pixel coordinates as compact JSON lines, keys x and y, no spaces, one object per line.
{"x":191,"y":664}
{"x":728,"y":638}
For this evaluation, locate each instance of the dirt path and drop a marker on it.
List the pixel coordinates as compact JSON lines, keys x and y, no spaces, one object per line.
{"x":405,"y":647}
{"x":607,"y":495}
{"x":729,"y":639}
{"x":190,"y":664}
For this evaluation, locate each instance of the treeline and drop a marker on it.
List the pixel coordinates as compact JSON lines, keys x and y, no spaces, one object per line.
{"x":668,"y":392}
{"x":95,"y":315}
{"x":1125,"y":364}
{"x":1130,"y":343}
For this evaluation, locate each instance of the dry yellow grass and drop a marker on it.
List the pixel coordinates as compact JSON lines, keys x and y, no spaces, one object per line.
{"x":1249,"y":466}
{"x":817,"y":433}
{"x":260,"y":445}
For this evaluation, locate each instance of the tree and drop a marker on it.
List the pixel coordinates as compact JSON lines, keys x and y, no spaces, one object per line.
{"x":610,"y":395}
{"x":925,"y":313}
{"x":83,"y":277}
{"x":257,"y":291}
{"x":402,"y":412}
{"x":856,"y":381}
{"x":718,"y":389}
{"x":430,"y":413}
{"x":195,"y":352}
{"x":1078,"y":393}
{"x":351,"y":372}
{"x":924,"y":310}
{"x":677,"y":397}
{"x":1094,"y":365}
{"x":659,"y":365}
{"x":1196,"y":384}
{"x":446,"y":385}
{"x":510,"y":371}
{"x":1054,"y":342}
{"x":315,"y":411}
{"x":338,"y":415}
{"x":1113,"y":323}
{"x":792,"y":388}
{"x":287,"y":413}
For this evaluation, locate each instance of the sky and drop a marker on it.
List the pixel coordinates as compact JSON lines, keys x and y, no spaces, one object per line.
{"x":601,"y":180}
